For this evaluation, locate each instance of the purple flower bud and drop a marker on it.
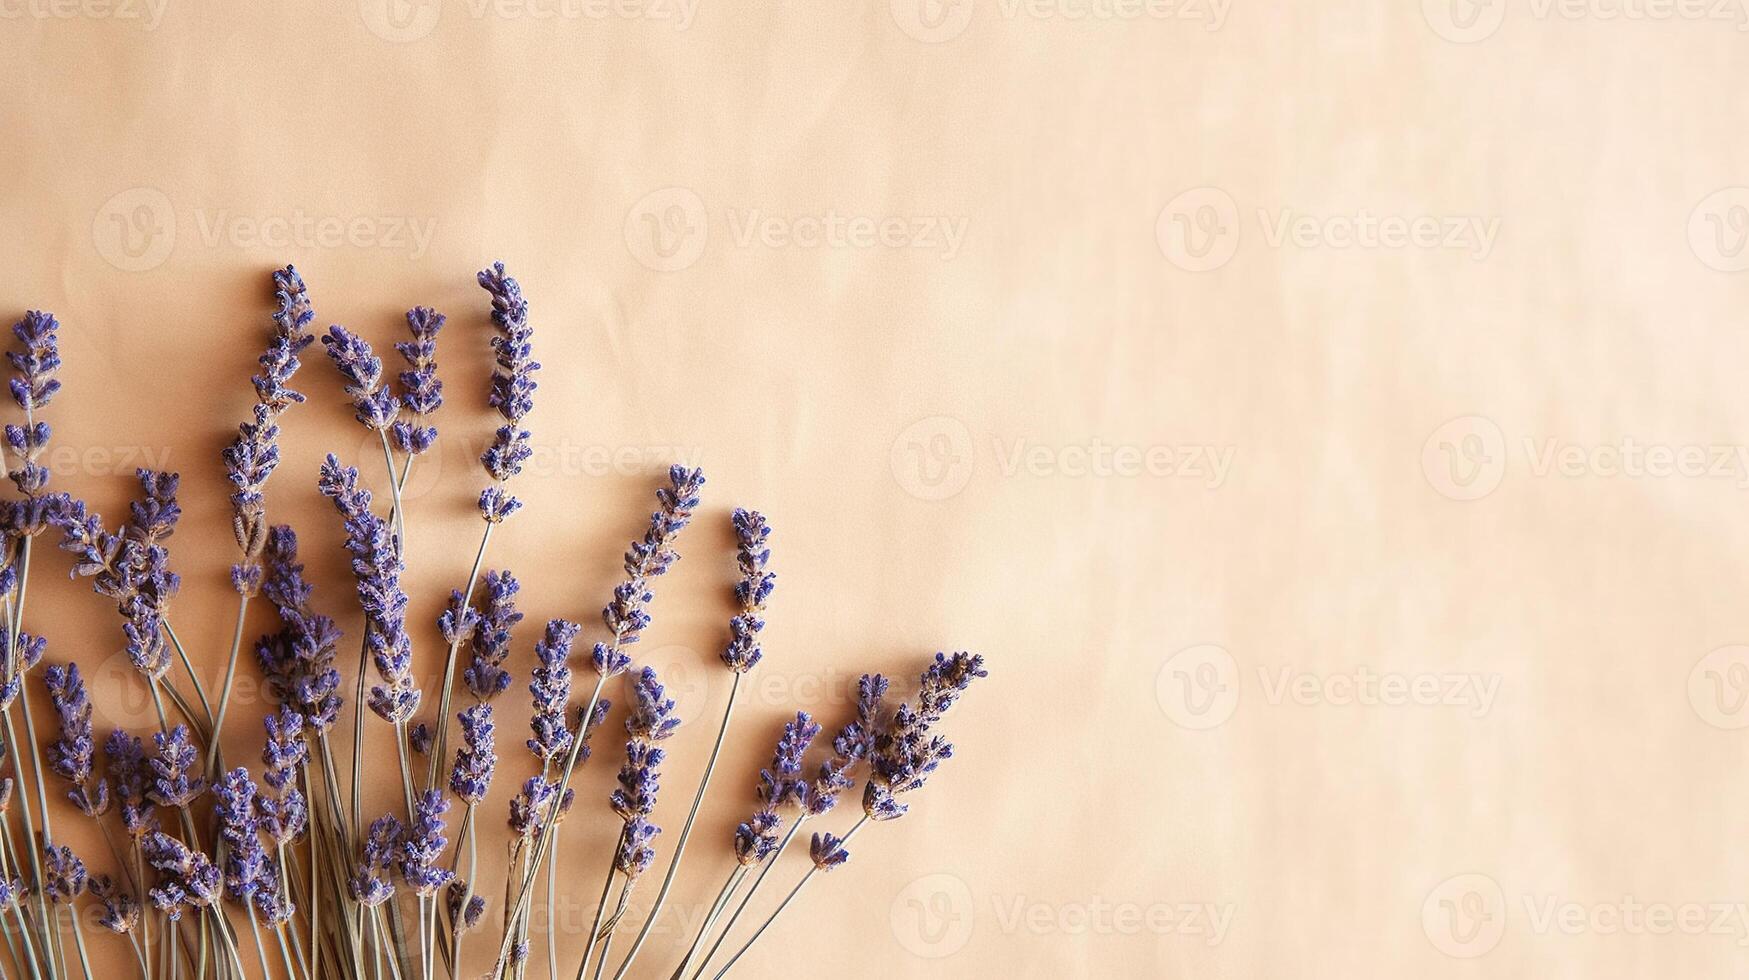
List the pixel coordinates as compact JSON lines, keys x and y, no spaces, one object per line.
{"x":550,"y":684}
{"x":511,"y":391}
{"x":377,"y":570}
{"x":489,"y":632}
{"x":239,"y":828}
{"x":63,"y":874}
{"x":751,"y":592}
{"x":129,"y":769}
{"x":370,"y":884}
{"x":33,"y":385}
{"x":422,"y":846}
{"x":828,"y":851}
{"x":298,"y":661}
{"x":188,"y":879}
{"x":421,"y":391}
{"x":757,"y":838}
{"x":373,"y":405}
{"x":476,"y":758}
{"x":175,"y":781}
{"x":252,"y":457}
{"x":908,"y":750}
{"x":70,"y":756}
{"x":635,"y":855}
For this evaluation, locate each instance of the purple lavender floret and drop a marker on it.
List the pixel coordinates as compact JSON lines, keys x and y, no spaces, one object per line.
{"x":63,"y":874}
{"x":530,"y":807}
{"x":640,"y":779}
{"x":828,"y":851}
{"x":370,"y":883}
{"x":511,"y":392}
{"x":129,"y":567}
{"x":626,"y":615}
{"x":121,"y":911}
{"x":298,"y":660}
{"x":751,"y":592}
{"x":239,"y":828}
{"x":757,"y":837}
{"x":652,"y":716}
{"x":70,"y":756}
{"x":175,"y":778}
{"x":458,"y":619}
{"x":422,"y":846}
{"x":550,"y":685}
{"x":373,"y":404}
{"x":33,"y":385}
{"x":421,"y":391}
{"x":153,"y":517}
{"x":187,"y":879}
{"x":489,"y":631}
{"x":377,"y":570}
{"x":476,"y":758}
{"x":635,"y":855}
{"x":909,"y":750}
{"x":128,"y":767}
{"x":270,"y":905}
{"x":252,"y":457}
{"x":463,"y":918}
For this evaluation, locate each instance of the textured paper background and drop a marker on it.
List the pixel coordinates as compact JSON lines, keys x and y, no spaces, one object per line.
{"x":1327,"y":417}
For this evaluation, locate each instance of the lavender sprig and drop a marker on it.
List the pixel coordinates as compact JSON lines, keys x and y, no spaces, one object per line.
{"x":909,"y":750}
{"x":550,"y":685}
{"x":188,"y":879}
{"x":373,"y":405}
{"x":489,"y":633}
{"x":71,"y":755}
{"x":421,"y":390}
{"x":370,"y":884}
{"x":477,"y":757}
{"x":511,"y":392}
{"x":298,"y":660}
{"x":422,"y":846}
{"x":751,"y":592}
{"x":129,"y":768}
{"x":252,"y":457}
{"x":33,"y":386}
{"x":121,"y":911}
{"x":377,"y":568}
{"x":283,"y":810}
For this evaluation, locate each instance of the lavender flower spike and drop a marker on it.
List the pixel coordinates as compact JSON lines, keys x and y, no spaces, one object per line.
{"x":751,"y":592}
{"x":511,"y":392}
{"x":373,"y":404}
{"x":298,"y":661}
{"x":370,"y":884}
{"x":853,"y":743}
{"x":63,"y":874}
{"x":626,"y":616}
{"x":121,"y":911}
{"x":33,"y":385}
{"x":377,"y":569}
{"x":421,"y":391}
{"x":252,"y":457}
{"x":828,"y":851}
{"x":909,"y":750}
{"x":239,"y":828}
{"x":129,"y":769}
{"x":70,"y":757}
{"x":477,"y":758}
{"x":550,"y":684}
{"x":489,"y":632}
{"x":174,"y":782}
{"x":188,"y":879}
{"x":422,"y":846}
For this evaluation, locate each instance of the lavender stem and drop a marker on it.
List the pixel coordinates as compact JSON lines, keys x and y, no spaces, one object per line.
{"x":212,"y":753}
{"x":444,"y":697}
{"x":736,"y":876}
{"x":770,"y":862}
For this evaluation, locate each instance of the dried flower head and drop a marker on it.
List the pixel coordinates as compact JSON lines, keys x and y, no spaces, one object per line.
{"x":550,"y":685}
{"x":298,"y":660}
{"x":476,"y":758}
{"x":828,"y":851}
{"x":909,"y":750}
{"x":462,"y":919}
{"x":511,"y":392}
{"x":853,"y":743}
{"x":187,"y":878}
{"x":627,"y":614}
{"x":751,"y":592}
{"x":33,"y":385}
{"x":239,"y":827}
{"x":635,"y":855}
{"x":422,"y":846}
{"x":421,"y":391}
{"x":373,"y":404}
{"x":370,"y":883}
{"x":251,"y":458}
{"x":63,"y":874}
{"x":70,"y":756}
{"x":489,"y":632}
{"x":779,"y":784}
{"x":175,"y":773}
{"x":128,"y":767}
{"x":377,"y":568}
{"x":121,"y":911}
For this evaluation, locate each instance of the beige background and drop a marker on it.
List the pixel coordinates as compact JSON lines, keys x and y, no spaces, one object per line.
{"x":1168,"y":772}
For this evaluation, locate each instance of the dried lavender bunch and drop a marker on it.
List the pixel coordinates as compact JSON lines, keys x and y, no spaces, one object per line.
{"x":626,"y":616}
{"x":377,"y":568}
{"x":71,"y":755}
{"x":421,"y":390}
